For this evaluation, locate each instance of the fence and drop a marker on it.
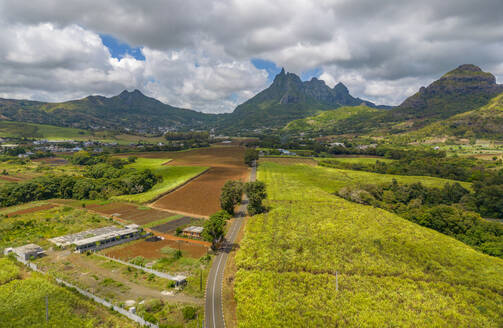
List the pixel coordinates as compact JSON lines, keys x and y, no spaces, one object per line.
{"x":95,"y":298}
{"x":179,"y":280}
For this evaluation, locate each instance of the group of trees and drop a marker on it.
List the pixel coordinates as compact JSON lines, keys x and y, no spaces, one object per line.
{"x":232,"y":192}
{"x":463,"y":169}
{"x":99,"y":182}
{"x":251,"y":155}
{"x":214,"y":227}
{"x":451,"y":210}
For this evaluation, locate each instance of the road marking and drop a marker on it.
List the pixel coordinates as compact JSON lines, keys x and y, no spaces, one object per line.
{"x":213,"y":293}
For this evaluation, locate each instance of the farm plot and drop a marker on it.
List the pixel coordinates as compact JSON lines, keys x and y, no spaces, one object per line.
{"x":153,"y":249}
{"x":288,"y":160}
{"x":172,"y":177}
{"x":171,"y":226}
{"x":211,"y":156}
{"x":200,"y":197}
{"x":130,"y":212}
{"x":31,"y":209}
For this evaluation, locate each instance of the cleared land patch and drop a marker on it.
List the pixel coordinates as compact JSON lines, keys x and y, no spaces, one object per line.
{"x":152,"y":249}
{"x":131,"y":212}
{"x":200,"y":197}
{"x":288,"y":160}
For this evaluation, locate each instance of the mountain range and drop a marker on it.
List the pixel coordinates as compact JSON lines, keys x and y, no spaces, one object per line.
{"x":288,"y":104}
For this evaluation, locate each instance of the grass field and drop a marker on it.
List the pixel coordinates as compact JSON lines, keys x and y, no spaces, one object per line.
{"x":332,"y":180}
{"x":316,"y":260}
{"x":172,"y":177}
{"x":31,"y":130}
{"x":22,"y":304}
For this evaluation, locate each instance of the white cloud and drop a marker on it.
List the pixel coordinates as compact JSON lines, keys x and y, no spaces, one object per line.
{"x":383,"y":50}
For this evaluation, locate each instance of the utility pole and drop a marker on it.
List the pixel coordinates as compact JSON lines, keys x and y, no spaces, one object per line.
{"x":201,"y":280}
{"x":46,"y":308}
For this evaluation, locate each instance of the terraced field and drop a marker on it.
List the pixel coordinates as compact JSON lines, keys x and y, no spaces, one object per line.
{"x":316,"y":260}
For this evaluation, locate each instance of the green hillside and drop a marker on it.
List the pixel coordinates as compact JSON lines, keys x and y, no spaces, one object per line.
{"x":331,"y":120}
{"x":131,"y":110}
{"x":41,"y":131}
{"x":316,"y":260}
{"x":485,"y":122}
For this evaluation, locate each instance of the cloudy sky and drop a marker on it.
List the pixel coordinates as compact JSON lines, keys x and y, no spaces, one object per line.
{"x":212,"y":55}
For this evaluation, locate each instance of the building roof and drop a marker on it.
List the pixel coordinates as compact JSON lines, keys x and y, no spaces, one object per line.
{"x":94,"y":235}
{"x":29,"y":248}
{"x":194,"y":229}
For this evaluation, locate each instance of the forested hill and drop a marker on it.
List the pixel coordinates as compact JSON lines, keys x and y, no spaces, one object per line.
{"x":483,"y":122}
{"x":132,"y":110}
{"x":460,"y":90}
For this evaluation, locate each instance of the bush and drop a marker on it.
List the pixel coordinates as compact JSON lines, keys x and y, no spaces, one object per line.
{"x":189,"y":312}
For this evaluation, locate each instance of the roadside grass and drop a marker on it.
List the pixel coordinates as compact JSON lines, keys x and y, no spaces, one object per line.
{"x":320,"y":261}
{"x":162,"y":221}
{"x":172,"y":177}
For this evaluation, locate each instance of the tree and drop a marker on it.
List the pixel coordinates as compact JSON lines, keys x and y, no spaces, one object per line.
{"x":256,"y":194}
{"x":231,"y":195}
{"x":214,"y":228}
{"x":251,"y":155}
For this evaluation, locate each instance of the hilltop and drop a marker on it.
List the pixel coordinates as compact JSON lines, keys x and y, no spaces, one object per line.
{"x":131,"y":110}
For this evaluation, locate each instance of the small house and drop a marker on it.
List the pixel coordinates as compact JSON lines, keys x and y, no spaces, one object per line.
{"x":193,"y":231}
{"x":26,"y":252}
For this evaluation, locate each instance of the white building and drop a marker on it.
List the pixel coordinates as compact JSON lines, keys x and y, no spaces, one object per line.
{"x":26,"y":252}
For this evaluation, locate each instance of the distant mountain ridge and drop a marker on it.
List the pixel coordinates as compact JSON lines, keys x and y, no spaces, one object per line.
{"x":132,"y":110}
{"x":289,"y":98}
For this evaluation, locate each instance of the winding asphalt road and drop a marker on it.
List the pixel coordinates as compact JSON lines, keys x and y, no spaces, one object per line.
{"x":214,"y":315}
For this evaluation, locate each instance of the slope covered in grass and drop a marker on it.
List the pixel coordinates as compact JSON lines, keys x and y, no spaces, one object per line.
{"x":328,"y":120}
{"x":172,"y":177}
{"x":484,"y":122}
{"x":390,"y":272}
{"x":11,"y":129}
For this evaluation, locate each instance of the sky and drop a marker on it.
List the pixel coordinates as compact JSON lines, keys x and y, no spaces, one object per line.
{"x":213,"y":55}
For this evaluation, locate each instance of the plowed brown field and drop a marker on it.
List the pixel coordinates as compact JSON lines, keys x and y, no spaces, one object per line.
{"x":200,"y":197}
{"x":152,"y":250}
{"x":130,"y":212}
{"x":289,"y":160}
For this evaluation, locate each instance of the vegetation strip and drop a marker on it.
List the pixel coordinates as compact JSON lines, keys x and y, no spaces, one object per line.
{"x":161,"y":221}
